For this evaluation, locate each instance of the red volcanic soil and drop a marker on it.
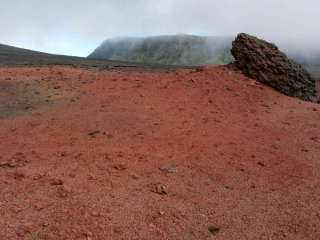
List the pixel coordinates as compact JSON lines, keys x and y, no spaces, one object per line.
{"x":185,"y":154}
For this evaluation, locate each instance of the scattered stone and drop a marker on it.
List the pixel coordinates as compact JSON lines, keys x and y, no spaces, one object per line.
{"x":134,"y":176}
{"x":37,"y":177}
{"x":162,"y":189}
{"x":88,"y":235}
{"x":213,"y":230}
{"x":17,"y":175}
{"x":62,"y":154}
{"x":91,"y":177}
{"x":261,"y":164}
{"x":119,"y":167}
{"x":169,"y":169}
{"x":94,"y":133}
{"x":161,"y":213}
{"x":95,"y":214}
{"x":56,"y":182}
{"x":4,"y":164}
{"x":263,"y":61}
{"x":45,"y":224}
{"x":228,"y":187}
{"x":17,"y":160}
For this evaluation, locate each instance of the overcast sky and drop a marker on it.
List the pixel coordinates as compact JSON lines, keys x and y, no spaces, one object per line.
{"x":76,"y":27}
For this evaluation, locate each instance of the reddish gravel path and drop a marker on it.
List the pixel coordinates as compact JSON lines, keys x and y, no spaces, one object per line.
{"x":155,"y":155}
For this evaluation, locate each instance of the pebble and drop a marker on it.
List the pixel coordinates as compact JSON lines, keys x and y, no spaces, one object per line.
{"x":56,"y":182}
{"x":213,"y":229}
{"x":162,"y":189}
{"x":169,"y":169}
{"x":120,"y":167}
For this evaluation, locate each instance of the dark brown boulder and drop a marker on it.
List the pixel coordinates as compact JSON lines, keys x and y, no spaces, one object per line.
{"x":266,"y":63}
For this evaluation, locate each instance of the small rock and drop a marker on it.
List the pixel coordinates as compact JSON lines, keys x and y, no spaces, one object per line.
{"x":135,"y":177}
{"x":228,"y":187}
{"x":169,"y":169}
{"x":91,"y":177}
{"x":213,"y":230}
{"x":94,"y":133}
{"x":18,"y":175}
{"x":161,"y":213}
{"x":45,"y":224}
{"x":95,"y":214}
{"x":88,"y":235}
{"x":17,"y":160}
{"x":4,"y":164}
{"x":120,"y":167}
{"x":37,"y":177}
{"x":162,"y":189}
{"x":56,"y":182}
{"x":117,"y":230}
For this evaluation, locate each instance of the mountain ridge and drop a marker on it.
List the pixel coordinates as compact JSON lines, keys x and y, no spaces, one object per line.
{"x":181,"y":49}
{"x":16,"y":56}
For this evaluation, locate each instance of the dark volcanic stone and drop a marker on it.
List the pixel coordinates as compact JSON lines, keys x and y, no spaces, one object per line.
{"x":266,"y":63}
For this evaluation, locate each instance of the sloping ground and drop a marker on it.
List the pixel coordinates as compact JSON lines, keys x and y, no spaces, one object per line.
{"x":179,"y":49}
{"x":13,"y":56}
{"x":185,"y":155}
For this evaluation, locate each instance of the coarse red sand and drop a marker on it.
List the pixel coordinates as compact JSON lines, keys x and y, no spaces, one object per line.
{"x":143,"y":155}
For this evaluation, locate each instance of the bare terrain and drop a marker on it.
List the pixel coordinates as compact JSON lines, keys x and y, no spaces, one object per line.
{"x":13,"y":57}
{"x":92,"y":153}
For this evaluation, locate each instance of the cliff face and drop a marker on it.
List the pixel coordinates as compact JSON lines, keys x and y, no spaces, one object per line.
{"x":169,"y":50}
{"x":266,"y":63}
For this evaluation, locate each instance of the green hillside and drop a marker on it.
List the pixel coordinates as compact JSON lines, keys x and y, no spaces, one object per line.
{"x":168,"y":50}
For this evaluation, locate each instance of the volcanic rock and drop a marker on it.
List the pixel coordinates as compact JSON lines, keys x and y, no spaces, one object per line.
{"x":266,"y":63}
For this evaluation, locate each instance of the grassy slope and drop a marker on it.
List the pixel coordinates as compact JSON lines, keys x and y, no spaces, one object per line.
{"x":176,"y":50}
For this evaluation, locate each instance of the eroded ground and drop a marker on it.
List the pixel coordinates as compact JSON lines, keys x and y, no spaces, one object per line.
{"x":185,"y":154}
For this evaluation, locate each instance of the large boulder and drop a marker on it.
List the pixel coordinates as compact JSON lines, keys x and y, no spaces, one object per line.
{"x":266,"y":63}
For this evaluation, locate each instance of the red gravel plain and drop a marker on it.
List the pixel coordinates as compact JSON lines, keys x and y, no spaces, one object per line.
{"x":186,"y":154}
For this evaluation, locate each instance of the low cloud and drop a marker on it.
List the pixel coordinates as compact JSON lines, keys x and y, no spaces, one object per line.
{"x":77,"y":26}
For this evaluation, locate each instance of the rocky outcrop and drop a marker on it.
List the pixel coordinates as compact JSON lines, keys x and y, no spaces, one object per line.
{"x":266,"y":63}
